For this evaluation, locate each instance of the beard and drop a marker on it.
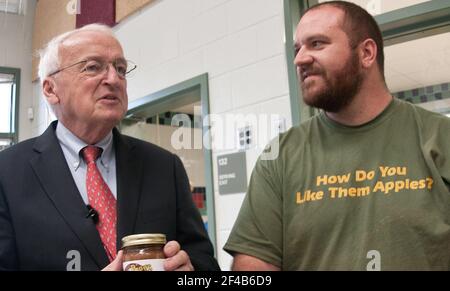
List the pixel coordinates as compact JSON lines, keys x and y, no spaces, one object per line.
{"x":338,"y":91}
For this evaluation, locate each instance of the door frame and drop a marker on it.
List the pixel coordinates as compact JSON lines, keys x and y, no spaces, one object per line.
{"x":173,"y":95}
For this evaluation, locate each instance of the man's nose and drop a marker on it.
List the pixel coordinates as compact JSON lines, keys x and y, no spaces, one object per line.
{"x":112,"y":76}
{"x":303,"y":57}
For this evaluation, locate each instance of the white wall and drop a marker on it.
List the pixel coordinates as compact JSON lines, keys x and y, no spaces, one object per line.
{"x":16,"y":37}
{"x":239,"y":43}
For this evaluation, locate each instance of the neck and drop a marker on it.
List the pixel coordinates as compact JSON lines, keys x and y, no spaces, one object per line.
{"x":371,"y":100}
{"x":89,"y":134}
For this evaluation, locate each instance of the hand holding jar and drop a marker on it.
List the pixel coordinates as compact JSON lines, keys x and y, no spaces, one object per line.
{"x":149,"y":252}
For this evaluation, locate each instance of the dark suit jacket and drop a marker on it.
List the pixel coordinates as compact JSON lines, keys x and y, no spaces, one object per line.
{"x":43,"y":217}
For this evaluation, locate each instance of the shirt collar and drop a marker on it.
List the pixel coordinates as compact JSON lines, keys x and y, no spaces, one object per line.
{"x":73,"y":145}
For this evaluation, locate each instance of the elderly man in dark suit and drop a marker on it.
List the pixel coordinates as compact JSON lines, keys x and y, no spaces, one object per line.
{"x":82,"y":168}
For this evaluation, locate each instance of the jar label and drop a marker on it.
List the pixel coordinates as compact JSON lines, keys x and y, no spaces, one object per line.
{"x":144,"y":265}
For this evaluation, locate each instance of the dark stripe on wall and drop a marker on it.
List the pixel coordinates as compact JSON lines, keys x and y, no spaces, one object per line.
{"x":97,"y":11}
{"x":425,"y":94}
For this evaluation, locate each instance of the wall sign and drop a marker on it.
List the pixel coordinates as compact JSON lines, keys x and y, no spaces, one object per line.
{"x":232,"y":170}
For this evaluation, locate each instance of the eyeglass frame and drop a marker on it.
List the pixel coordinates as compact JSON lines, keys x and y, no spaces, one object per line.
{"x":84,"y":69}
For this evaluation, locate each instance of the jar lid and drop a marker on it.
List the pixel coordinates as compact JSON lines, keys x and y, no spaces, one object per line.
{"x":144,"y":239}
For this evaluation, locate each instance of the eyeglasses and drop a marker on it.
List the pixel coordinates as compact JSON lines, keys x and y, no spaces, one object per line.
{"x":93,"y":68}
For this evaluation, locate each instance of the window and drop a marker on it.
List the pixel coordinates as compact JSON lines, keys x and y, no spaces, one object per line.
{"x":9,"y":95}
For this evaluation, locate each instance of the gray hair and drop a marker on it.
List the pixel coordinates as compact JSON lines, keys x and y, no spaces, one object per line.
{"x":49,"y":61}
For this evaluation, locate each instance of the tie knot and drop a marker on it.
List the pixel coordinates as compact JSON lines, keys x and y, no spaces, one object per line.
{"x":91,"y":153}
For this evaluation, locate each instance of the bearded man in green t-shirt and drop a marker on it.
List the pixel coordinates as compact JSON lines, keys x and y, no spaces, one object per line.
{"x":364,"y":185}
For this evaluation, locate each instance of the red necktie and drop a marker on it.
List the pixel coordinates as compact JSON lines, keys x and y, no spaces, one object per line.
{"x":102,"y":200}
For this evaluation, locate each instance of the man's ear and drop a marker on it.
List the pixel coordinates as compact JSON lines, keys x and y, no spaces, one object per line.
{"x":48,"y":87}
{"x":368,"y":53}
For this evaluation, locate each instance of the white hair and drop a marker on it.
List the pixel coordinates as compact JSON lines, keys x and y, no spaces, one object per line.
{"x":49,"y":61}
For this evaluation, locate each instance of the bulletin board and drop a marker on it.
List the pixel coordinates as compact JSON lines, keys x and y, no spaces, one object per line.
{"x":127,"y":7}
{"x":51,"y":19}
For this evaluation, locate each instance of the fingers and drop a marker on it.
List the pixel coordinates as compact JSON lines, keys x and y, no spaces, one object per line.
{"x":171,"y":249}
{"x":115,"y":265}
{"x":177,"y":260}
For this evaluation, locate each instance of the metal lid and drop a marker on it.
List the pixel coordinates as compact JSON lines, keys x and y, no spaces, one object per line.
{"x":144,"y":239}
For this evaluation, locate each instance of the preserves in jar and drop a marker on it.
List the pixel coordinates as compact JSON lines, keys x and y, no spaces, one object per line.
{"x":143,"y":252}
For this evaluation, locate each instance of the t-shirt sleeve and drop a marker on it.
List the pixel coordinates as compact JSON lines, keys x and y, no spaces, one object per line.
{"x":258,"y":229}
{"x":437,"y":145}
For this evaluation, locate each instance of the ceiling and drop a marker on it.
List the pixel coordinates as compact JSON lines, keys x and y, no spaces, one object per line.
{"x":188,"y":109}
{"x":418,"y":63}
{"x":376,"y":7}
{"x":183,"y":102}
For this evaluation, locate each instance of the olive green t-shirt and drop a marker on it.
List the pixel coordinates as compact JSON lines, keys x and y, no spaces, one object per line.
{"x":371,"y":197}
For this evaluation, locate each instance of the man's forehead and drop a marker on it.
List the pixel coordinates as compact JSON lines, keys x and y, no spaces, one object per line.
{"x":86,"y":36}
{"x":319,"y":21}
{"x":91,"y":43}
{"x":323,"y":16}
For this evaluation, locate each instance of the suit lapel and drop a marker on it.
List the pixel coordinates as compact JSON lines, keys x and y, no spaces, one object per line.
{"x":129,"y":179}
{"x":52,"y":170}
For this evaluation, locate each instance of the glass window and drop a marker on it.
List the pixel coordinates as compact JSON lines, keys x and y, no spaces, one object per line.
{"x":419,"y":71}
{"x":376,"y":7}
{"x":5,"y":143}
{"x":6,"y":98}
{"x":12,"y":6}
{"x":9,"y":94}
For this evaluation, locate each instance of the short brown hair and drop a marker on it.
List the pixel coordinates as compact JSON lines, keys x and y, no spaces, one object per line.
{"x":359,"y":25}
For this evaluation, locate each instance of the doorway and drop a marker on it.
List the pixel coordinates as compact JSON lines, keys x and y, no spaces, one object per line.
{"x":172,"y":119}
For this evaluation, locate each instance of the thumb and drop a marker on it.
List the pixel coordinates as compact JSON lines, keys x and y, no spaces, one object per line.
{"x":115,"y":265}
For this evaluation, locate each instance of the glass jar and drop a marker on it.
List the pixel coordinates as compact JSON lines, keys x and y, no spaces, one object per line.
{"x":143,"y":252}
